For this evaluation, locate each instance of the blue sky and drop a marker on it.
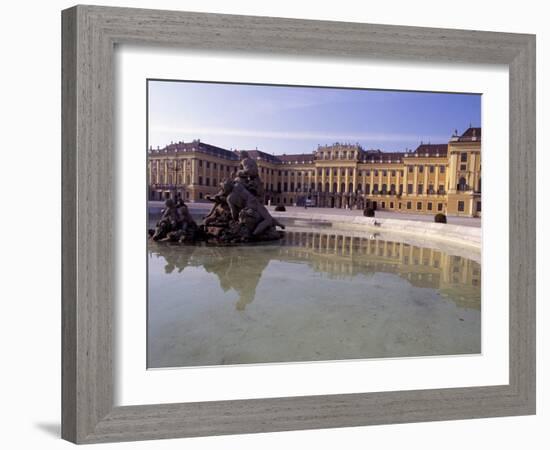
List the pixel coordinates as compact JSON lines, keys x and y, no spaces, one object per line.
{"x":282,"y":119}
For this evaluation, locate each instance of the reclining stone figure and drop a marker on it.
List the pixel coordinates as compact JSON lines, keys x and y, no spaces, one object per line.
{"x":239,"y":198}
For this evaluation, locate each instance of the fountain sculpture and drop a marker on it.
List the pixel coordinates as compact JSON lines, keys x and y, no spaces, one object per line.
{"x":237,"y":216}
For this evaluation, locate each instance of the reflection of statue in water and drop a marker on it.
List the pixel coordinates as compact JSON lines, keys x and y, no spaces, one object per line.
{"x":238,"y":271}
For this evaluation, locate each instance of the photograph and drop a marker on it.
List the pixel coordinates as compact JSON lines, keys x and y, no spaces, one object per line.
{"x":291,"y":224}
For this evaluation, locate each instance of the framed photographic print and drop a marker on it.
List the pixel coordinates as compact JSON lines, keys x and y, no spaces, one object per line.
{"x":278,"y":224}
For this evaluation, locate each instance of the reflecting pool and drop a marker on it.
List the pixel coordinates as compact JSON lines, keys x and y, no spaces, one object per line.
{"x":315,"y":295}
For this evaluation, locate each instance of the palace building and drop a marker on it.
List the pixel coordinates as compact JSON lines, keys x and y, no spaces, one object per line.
{"x":433,"y":178}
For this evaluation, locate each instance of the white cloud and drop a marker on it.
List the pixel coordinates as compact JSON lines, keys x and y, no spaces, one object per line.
{"x":197,"y":132}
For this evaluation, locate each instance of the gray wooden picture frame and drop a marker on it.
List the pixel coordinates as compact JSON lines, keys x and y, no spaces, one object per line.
{"x":89,"y":36}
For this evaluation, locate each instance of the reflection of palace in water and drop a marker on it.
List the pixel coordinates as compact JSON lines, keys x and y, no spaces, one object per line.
{"x":335,"y":255}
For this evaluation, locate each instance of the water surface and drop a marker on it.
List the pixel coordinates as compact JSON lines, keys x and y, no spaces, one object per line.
{"x":315,"y":295}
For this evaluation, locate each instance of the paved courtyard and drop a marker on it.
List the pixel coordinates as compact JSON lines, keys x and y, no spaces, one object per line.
{"x":465,"y":221}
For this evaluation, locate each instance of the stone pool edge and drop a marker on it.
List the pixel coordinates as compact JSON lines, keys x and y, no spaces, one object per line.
{"x":454,"y":234}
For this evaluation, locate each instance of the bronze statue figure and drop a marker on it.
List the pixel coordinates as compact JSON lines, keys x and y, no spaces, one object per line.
{"x":237,"y":216}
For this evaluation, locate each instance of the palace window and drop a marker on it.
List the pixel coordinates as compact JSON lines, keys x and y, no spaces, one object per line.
{"x":431,"y":189}
{"x":200,"y":181}
{"x":367,"y":188}
{"x":383,"y":205}
{"x":393,"y":173}
{"x":208,"y":164}
{"x":392,"y":189}
{"x":292,"y":187}
{"x":419,"y":205}
{"x":384,"y":188}
{"x":432,"y":169}
{"x":440,"y":206}
{"x":409,"y":188}
{"x":384,"y":173}
{"x":350,"y":187}
{"x":376,"y":173}
{"x":461,"y":206}
{"x":285,"y":186}
{"x":200,"y":162}
{"x":216,"y":166}
{"x":429,"y":206}
{"x":207,"y":181}
{"x":463,"y":167}
{"x":409,"y":205}
{"x":421,"y":188}
{"x":441,"y":189}
{"x":421,"y":169}
{"x":327,"y":189}
{"x":375,"y":188}
{"x":442,"y":169}
{"x":462,"y":184}
{"x":391,"y":205}
{"x":334,"y":187}
{"x":463,"y":157}
{"x":411,"y":169}
{"x":478,"y":206}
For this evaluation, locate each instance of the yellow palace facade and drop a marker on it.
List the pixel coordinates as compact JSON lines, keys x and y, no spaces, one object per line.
{"x":433,"y":178}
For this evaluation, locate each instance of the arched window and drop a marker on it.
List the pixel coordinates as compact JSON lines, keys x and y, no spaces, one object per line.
{"x":359,"y":187}
{"x":343,"y":187}
{"x":350,"y":187}
{"x":462,"y":184}
{"x":327,"y":189}
{"x":320,"y":187}
{"x":367,"y":188}
{"x":334,"y":187}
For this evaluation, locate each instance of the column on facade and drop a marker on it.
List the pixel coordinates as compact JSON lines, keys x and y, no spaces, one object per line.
{"x":354,"y":178}
{"x":415,"y":179}
{"x":397,"y":180}
{"x":436,"y":179}
{"x":371,"y":181}
{"x":451,"y":173}
{"x":425,"y":180}
{"x":194,"y":172}
{"x":405,"y":179}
